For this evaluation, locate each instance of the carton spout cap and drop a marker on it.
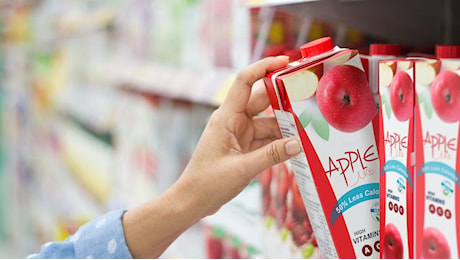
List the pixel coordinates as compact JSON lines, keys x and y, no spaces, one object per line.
{"x":447,"y":51}
{"x":316,"y":47}
{"x":385,"y":49}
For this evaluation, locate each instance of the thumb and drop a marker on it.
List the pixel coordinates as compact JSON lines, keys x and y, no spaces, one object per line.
{"x":269,"y":155}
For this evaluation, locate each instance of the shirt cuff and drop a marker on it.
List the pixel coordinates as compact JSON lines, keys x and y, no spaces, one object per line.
{"x":103,"y":237}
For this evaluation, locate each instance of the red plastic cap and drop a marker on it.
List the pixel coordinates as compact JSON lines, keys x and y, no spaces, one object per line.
{"x":385,"y":49}
{"x":447,"y":51}
{"x":316,"y":47}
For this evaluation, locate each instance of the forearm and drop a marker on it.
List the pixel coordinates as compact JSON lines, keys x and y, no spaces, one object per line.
{"x":153,"y":226}
{"x":232,"y":150}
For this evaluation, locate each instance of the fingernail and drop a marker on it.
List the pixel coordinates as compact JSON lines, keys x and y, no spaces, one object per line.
{"x":292,"y":147}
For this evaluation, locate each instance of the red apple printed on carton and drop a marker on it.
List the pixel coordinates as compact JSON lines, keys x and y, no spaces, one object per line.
{"x":333,"y":119}
{"x":445,"y":96}
{"x":392,"y":244}
{"x":402,"y":96}
{"x":435,"y":244}
{"x":388,"y":68}
{"x":344,"y":98}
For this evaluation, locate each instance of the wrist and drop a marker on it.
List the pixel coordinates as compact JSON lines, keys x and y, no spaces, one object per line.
{"x":187,"y":202}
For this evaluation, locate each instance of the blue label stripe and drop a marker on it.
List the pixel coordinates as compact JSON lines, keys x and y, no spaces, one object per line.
{"x":440,"y":169}
{"x":353,"y":198}
{"x":399,"y":168}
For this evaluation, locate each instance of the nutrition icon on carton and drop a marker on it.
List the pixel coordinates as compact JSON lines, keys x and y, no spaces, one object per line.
{"x":396,"y":150}
{"x":437,"y":194}
{"x":325,"y":100}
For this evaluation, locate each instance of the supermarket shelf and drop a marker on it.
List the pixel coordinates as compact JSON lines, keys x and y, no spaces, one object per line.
{"x":96,"y":114}
{"x":410,"y":22}
{"x":260,"y":3}
{"x":88,"y":159}
{"x":82,"y":22}
{"x":207,"y":87}
{"x":106,"y":47}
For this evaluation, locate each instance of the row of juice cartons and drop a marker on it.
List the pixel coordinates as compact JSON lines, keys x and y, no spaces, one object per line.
{"x":379,"y":168}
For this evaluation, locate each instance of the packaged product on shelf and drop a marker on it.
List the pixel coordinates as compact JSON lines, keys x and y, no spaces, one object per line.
{"x":273,"y":32}
{"x":168,"y":31}
{"x":214,"y":242}
{"x":223,"y":245}
{"x":324,"y":99}
{"x":396,"y":151}
{"x":233,"y":237}
{"x":287,"y":228}
{"x":437,"y":194}
{"x":378,"y":52}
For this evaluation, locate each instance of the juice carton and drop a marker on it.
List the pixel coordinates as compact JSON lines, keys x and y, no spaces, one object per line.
{"x":287,"y":228}
{"x":378,"y":52}
{"x":396,"y":151}
{"x":437,"y":193}
{"x":324,"y":99}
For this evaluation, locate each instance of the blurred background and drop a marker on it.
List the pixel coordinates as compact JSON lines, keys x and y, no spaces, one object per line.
{"x":103,"y":101}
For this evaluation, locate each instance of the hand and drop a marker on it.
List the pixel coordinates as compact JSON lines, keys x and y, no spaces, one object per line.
{"x":235,"y":146}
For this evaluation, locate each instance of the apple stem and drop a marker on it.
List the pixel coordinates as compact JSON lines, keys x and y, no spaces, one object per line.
{"x":346,"y":99}
{"x":448,"y":97}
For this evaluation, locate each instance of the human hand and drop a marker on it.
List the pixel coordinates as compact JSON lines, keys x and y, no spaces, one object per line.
{"x":237,"y":144}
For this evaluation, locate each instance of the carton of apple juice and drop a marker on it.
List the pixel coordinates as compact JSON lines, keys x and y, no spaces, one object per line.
{"x":287,"y":228}
{"x":378,"y":52}
{"x":437,"y":193}
{"x":396,"y":150}
{"x":324,"y":99}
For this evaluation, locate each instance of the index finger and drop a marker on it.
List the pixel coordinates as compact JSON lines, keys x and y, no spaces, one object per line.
{"x":238,"y":96}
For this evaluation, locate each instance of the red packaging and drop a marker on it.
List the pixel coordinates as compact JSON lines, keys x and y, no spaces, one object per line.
{"x":324,"y":99}
{"x":437,"y":194}
{"x":396,"y":152}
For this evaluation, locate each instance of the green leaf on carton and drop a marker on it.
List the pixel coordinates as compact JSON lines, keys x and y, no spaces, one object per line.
{"x":418,"y":99}
{"x":386,"y":102}
{"x":321,"y":126}
{"x":305,"y":118}
{"x":426,"y":100}
{"x":428,"y":107}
